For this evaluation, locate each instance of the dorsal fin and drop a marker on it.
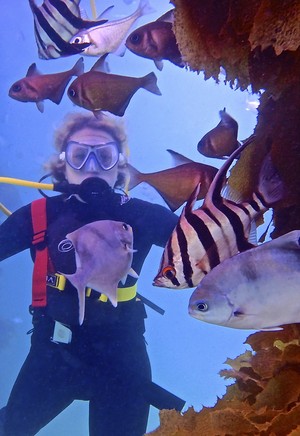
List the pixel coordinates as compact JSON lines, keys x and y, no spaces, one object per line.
{"x":216,"y":186}
{"x":33,"y":71}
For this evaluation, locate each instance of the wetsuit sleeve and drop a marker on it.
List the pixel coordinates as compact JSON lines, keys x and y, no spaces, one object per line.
{"x":16,"y":233}
{"x":159,"y":223}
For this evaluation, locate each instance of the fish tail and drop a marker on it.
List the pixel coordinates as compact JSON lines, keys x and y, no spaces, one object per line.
{"x":78,"y":68}
{"x":135,"y":177}
{"x":270,"y":185}
{"x":150,"y":83}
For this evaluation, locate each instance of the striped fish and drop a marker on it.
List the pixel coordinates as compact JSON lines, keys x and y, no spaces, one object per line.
{"x":219,"y":229}
{"x":55,"y":23}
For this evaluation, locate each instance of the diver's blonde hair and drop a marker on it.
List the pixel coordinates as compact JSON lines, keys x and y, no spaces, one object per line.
{"x":75,"y":122}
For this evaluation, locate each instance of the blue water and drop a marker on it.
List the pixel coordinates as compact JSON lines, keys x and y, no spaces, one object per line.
{"x":186,"y":354}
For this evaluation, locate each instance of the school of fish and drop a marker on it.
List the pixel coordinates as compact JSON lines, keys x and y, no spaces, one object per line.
{"x":257,"y":289}
{"x":239,"y":284}
{"x":96,"y":270}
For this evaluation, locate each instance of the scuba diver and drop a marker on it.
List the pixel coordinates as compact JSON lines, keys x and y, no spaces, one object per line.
{"x":103,"y":360}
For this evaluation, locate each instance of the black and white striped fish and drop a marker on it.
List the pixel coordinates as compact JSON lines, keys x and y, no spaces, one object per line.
{"x":55,"y":23}
{"x":219,"y":229}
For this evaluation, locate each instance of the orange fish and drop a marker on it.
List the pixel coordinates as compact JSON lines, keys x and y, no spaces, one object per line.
{"x":100,"y":91}
{"x":175,"y":185}
{"x":156,"y":41}
{"x":37,"y":87}
{"x":222,"y":140}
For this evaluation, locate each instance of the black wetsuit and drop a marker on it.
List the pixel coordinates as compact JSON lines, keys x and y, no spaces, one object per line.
{"x":106,"y":361}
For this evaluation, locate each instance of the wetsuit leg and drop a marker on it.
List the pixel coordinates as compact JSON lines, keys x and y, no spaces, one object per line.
{"x":119,"y":406}
{"x":41,"y":390}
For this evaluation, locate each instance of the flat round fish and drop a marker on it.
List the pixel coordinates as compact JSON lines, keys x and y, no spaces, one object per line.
{"x":257,"y":289}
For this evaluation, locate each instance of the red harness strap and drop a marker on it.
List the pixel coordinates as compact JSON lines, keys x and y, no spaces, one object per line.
{"x":42,"y":260}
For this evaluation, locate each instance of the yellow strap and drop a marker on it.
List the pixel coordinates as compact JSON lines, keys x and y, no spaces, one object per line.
{"x":123,"y":294}
{"x":58,"y":281}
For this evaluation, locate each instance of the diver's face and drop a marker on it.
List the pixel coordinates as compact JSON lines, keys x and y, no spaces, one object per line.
{"x":89,"y":139}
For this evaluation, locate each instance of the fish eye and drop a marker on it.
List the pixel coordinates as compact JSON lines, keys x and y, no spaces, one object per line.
{"x":135,"y":38}
{"x":169,"y":272}
{"x":125,"y":226}
{"x":16,"y":88}
{"x":77,"y":40}
{"x":72,"y":92}
{"x":202,"y":307}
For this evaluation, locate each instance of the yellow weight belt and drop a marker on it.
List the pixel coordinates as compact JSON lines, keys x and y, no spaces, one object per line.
{"x":58,"y":281}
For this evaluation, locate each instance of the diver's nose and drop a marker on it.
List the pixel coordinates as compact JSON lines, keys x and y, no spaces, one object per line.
{"x":92,"y":164}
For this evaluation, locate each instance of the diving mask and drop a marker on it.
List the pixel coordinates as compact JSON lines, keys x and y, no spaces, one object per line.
{"x":77,"y":154}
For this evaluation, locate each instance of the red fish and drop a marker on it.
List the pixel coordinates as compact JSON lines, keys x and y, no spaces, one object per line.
{"x":38,"y":87}
{"x":99,"y":91}
{"x":222,"y":140}
{"x":175,"y":185}
{"x":156,"y":41}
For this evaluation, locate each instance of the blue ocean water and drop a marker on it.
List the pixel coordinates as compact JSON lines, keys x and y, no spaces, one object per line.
{"x":186,"y":354}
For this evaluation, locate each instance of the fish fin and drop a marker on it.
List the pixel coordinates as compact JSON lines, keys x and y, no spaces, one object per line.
{"x":289,"y":241}
{"x":192,"y":200}
{"x":120,"y":50}
{"x":270,"y":184}
{"x":178,"y":158}
{"x":132,"y":273}
{"x":78,"y":68}
{"x":40,"y":106}
{"x":252,"y":239}
{"x":229,"y":193}
{"x":33,"y":71}
{"x":106,"y":11}
{"x":150,"y":84}
{"x":168,"y":17}
{"x":159,"y":64}
{"x":101,"y":65}
{"x":227,"y":120}
{"x":98,"y":114}
{"x":81,"y":302}
{"x":136,"y":177}
{"x":112,"y":296}
{"x":145,"y":7}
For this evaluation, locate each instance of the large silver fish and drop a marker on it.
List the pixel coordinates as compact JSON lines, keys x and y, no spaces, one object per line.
{"x":217,"y":230}
{"x":103,"y":252}
{"x":55,"y":22}
{"x":108,"y":38}
{"x":258,"y":289}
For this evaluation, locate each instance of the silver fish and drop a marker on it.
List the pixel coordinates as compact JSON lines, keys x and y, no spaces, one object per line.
{"x":258,"y":289}
{"x":108,"y":38}
{"x":103,"y":253}
{"x":217,"y":230}
{"x":55,"y":22}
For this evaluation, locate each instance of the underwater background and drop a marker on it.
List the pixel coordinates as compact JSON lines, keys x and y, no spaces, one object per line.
{"x":186,"y":354}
